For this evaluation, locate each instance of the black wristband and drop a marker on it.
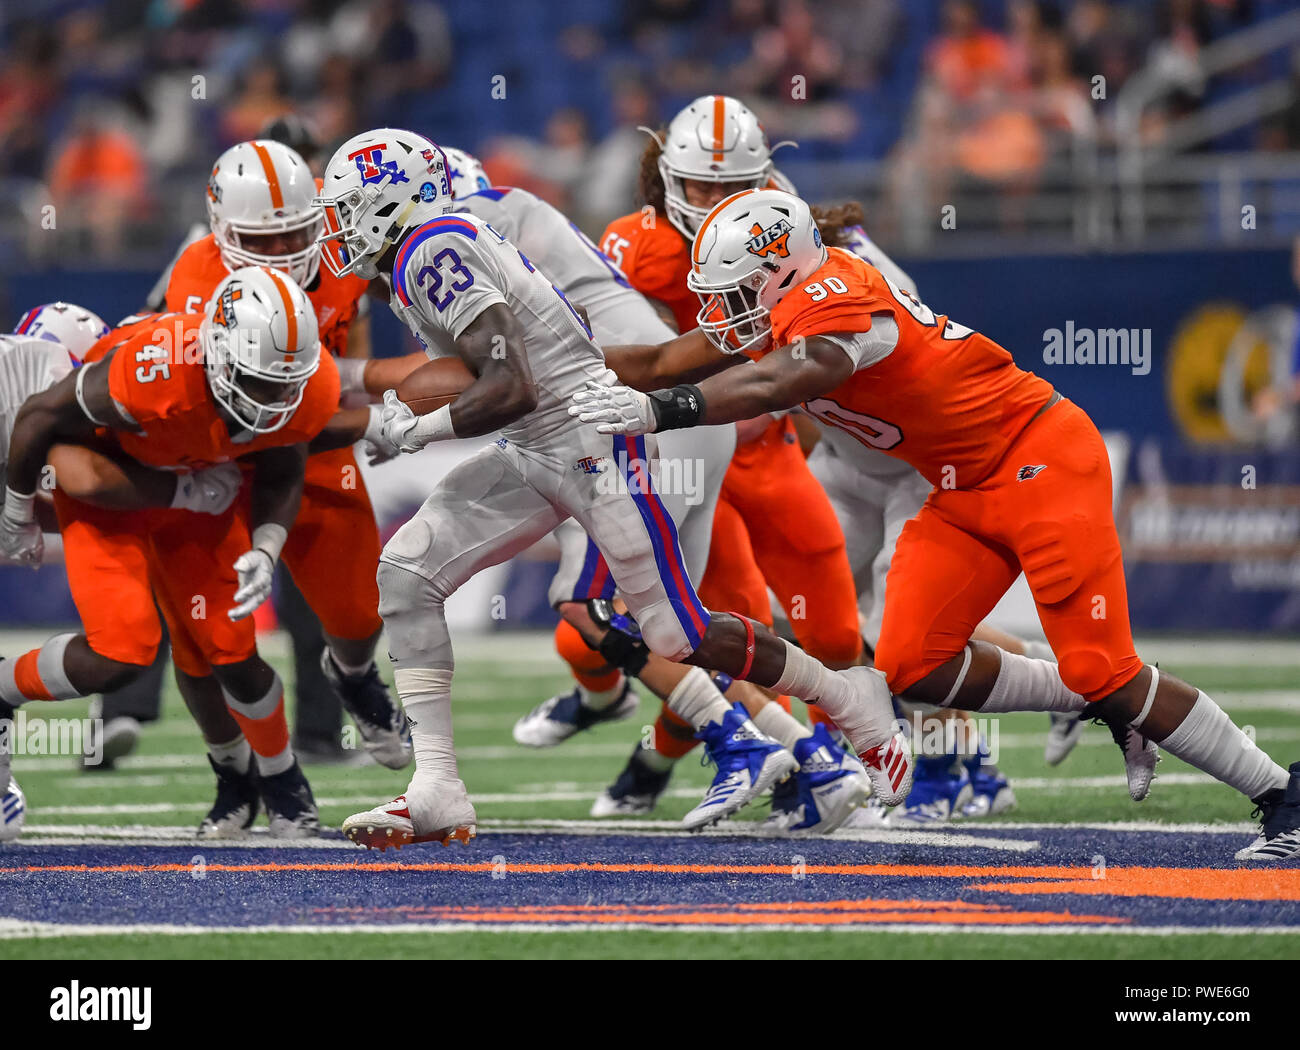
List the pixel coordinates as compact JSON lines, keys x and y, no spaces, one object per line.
{"x":680,"y":407}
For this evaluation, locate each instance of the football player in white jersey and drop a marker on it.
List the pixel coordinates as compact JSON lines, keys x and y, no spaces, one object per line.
{"x":47,"y":344}
{"x":465,"y":291}
{"x":582,"y":586}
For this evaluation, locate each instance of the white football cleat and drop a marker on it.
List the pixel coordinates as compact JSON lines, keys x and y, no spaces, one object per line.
{"x":1062,"y":736}
{"x":1140,"y":758}
{"x":888,"y":764}
{"x":424,"y":814}
{"x":553,"y":721}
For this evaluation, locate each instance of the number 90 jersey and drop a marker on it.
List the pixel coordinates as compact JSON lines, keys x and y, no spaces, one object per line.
{"x":933,"y":393}
{"x":452,"y":268}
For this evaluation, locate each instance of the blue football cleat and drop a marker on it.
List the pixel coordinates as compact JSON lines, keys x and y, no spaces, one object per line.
{"x":940,"y":790}
{"x":748,"y":761}
{"x":829,"y":785}
{"x":991,"y":792}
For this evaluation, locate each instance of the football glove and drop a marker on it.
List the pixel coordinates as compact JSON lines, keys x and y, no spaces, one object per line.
{"x":21,"y":541}
{"x":256,"y":570}
{"x":614,"y":409}
{"x":209,"y":491}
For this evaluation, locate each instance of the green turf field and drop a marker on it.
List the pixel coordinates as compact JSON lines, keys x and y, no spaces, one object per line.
{"x":167,"y":785}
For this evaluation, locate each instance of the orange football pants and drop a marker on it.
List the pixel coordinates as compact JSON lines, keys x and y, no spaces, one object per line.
{"x":333,"y":548}
{"x":774,"y":526}
{"x":1046,"y":510}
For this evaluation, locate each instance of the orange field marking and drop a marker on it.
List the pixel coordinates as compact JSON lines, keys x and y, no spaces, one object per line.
{"x":820,"y":913}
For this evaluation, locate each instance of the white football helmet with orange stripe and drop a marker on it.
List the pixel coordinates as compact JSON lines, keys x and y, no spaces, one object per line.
{"x":715,"y":139}
{"x":752,"y":249}
{"x":260,"y":197}
{"x":377,"y":186}
{"x":260,"y":347}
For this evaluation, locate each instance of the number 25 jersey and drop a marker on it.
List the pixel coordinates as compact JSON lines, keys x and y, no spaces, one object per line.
{"x":945,"y":399}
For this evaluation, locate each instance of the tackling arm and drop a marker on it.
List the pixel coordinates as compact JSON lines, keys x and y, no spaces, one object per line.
{"x":686,"y":359}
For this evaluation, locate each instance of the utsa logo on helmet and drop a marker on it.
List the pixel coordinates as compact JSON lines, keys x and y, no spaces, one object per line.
{"x":214,"y":187}
{"x":224,"y":314}
{"x":1027,"y":473}
{"x":373,"y":168}
{"x":772,"y":240}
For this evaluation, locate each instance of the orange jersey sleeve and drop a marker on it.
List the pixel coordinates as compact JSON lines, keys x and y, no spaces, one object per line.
{"x":200,"y":269}
{"x":946,"y":399}
{"x":655,"y":261}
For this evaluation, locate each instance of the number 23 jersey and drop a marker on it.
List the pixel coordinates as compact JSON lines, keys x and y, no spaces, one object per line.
{"x":944,"y":398}
{"x":452,"y":268}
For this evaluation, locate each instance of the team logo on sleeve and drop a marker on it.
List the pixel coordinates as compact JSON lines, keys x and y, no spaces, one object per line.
{"x":772,"y":241}
{"x":1030,"y":472}
{"x":373,"y":168}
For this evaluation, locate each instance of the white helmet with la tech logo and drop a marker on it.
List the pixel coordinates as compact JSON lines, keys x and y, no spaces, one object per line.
{"x":377,"y":186}
{"x":465,"y":172}
{"x":715,"y":139}
{"x":74,"y":327}
{"x":260,"y":347}
{"x":260,"y":209}
{"x":751,"y":250}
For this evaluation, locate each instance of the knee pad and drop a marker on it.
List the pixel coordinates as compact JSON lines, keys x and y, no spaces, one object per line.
{"x":412,"y":610}
{"x":1085,"y":669}
{"x":663,"y":632}
{"x":1049,"y":561}
{"x":623,"y":645}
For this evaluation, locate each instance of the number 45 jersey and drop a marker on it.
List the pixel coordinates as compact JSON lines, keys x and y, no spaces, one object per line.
{"x":451,"y":269}
{"x":931,"y":392}
{"x":157,"y":380}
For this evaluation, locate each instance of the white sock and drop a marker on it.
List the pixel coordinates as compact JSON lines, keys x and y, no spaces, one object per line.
{"x":599,"y":699}
{"x":348,"y":670}
{"x":780,"y":725}
{"x":1208,"y":740}
{"x":1025,"y":684}
{"x":426,"y":696}
{"x":695,"y":699}
{"x":235,"y":753}
{"x":867,"y":721}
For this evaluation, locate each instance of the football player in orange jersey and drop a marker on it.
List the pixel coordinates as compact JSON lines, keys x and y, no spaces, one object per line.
{"x":259,"y":208}
{"x":711,"y":149}
{"x":1021,"y":475}
{"x":182,"y":392}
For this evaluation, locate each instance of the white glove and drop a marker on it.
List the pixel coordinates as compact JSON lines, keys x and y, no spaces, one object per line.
{"x":378,"y":448}
{"x":208,"y":491}
{"x":21,"y":541}
{"x":396,"y":423}
{"x":614,"y":409}
{"x":256,"y":570}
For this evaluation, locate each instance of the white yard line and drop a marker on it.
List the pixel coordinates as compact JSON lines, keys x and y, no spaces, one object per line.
{"x":21,"y":929}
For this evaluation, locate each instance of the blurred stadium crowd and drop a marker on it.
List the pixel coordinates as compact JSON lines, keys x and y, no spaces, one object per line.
{"x":111,"y":110}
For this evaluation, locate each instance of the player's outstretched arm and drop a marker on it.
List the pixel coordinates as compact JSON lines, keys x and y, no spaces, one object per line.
{"x":276,"y":496}
{"x":781,"y":380}
{"x":686,"y":359}
{"x":58,"y":414}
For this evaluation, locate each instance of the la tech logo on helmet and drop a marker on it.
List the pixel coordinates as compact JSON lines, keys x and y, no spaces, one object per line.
{"x":373,"y":168}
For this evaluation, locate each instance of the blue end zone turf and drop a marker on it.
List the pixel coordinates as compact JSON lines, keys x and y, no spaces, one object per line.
{"x":1062,"y":878}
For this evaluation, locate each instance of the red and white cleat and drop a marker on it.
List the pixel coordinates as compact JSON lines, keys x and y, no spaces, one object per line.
{"x":889,"y":765}
{"x":451,"y":818}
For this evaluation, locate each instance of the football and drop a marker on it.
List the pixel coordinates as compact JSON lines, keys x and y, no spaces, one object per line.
{"x":432,"y":385}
